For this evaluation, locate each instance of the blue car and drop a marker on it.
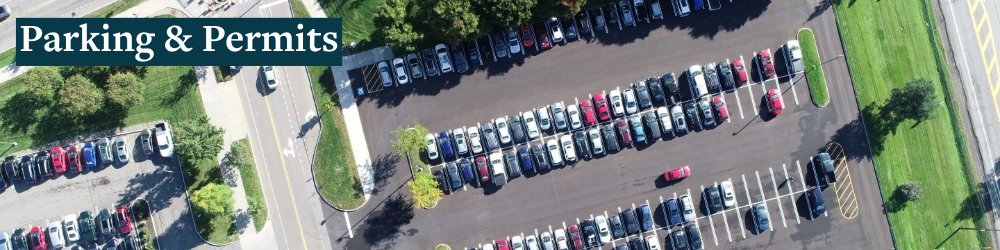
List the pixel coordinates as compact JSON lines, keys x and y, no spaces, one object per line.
{"x":646,"y":217}
{"x":445,"y":141}
{"x":673,"y":212}
{"x":699,"y":5}
{"x":525,"y":159}
{"x":89,"y":156}
{"x":466,"y":167}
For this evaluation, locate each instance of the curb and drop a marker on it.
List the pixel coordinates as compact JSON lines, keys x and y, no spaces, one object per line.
{"x":149,"y":214}
{"x":825,"y":86}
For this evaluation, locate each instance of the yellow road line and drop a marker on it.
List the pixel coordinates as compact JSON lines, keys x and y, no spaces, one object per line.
{"x":25,"y":13}
{"x":982,"y":21}
{"x":288,"y":181}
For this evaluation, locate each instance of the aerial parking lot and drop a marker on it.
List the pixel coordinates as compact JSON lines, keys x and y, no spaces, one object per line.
{"x":767,"y":155}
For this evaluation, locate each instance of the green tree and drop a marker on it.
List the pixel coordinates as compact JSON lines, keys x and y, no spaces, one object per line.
{"x":411,"y":140}
{"x":451,"y":20}
{"x":79,"y":97}
{"x":915,"y":101}
{"x":124,"y":90}
{"x":911,"y":190}
{"x":214,"y":199}
{"x":505,"y":13}
{"x":425,"y":190}
{"x":197,"y":140}
{"x":561,"y":8}
{"x":239,"y":154}
{"x":41,"y":84}
{"x":394,"y":28}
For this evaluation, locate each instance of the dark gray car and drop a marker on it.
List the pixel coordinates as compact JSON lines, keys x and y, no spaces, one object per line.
{"x":582,"y":146}
{"x":517,"y":129}
{"x":714,"y":198}
{"x":538,"y":153}
{"x":491,"y":137}
{"x":669,"y":83}
{"x":692,"y":113}
{"x":713,"y":77}
{"x":655,"y":89}
{"x":513,"y":168}
{"x":460,"y":63}
{"x":430,"y":62}
{"x":653,"y":125}
{"x":456,"y":180}
{"x":610,"y":138}
{"x":727,"y":74}
{"x":642,"y":93}
{"x":706,"y":113}
{"x":499,"y":44}
{"x":414,"y":61}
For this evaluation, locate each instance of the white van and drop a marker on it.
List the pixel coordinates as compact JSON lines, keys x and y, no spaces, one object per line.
{"x":499,"y":169}
{"x":697,"y":80}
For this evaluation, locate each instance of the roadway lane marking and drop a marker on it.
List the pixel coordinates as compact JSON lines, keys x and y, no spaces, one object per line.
{"x":271,"y":4}
{"x":775,"y":186}
{"x":795,"y":210}
{"x":764,"y":202}
{"x":736,"y":204}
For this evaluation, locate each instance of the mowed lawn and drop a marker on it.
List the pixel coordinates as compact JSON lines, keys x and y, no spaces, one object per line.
{"x":358,"y":24}
{"x":889,"y":43}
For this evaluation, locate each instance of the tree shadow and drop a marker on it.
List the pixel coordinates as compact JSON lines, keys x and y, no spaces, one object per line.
{"x":18,"y":114}
{"x":383,"y":169}
{"x":821,"y":8}
{"x":384,"y":227}
{"x":897,"y":201}
{"x":880,"y":123}
{"x":851,"y":137}
{"x":186,"y":81}
{"x":736,"y":13}
{"x":972,"y":206}
{"x":158,"y":188}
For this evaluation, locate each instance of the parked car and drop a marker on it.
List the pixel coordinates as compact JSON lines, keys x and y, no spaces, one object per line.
{"x":430,"y":62}
{"x":666,"y":122}
{"x":714,"y":5}
{"x":645,"y":217}
{"x":613,"y":18}
{"x":680,"y":124}
{"x":527,"y":163}
{"x":475,"y":141}
{"x":694,"y":235}
{"x":654,"y":6}
{"x":713,"y":77}
{"x":727,"y":75}
{"x":561,"y":242}
{"x":461,"y":144}
{"x":642,"y":94}
{"x":538,"y":154}
{"x":400,"y":70}
{"x":584,"y":18}
{"x":774,"y":102}
{"x":512,"y":164}
{"x":124,"y":218}
{"x":516,"y":242}
{"x":714,"y":199}
{"x":569,"y":151}
{"x":472,"y":50}
{"x":728,"y":194}
{"x":760,"y":218}
{"x":104,"y":150}
{"x":432,"y":151}
{"x":164,"y":139}
{"x":43,"y":162}
{"x":817,"y":205}
{"x":655,"y":89}
{"x":105,"y":224}
{"x":617,"y":228}
{"x":641,"y":13}
{"x":503,"y":130}
{"x":543,"y":118}
{"x":559,"y":115}
{"x":453,"y":175}
{"x":484,"y":169}
{"x":499,"y":44}
{"x":37,"y":238}
{"x":824,"y":164}
{"x":443,"y":58}
{"x":55,"y":236}
{"x":527,"y":39}
{"x":460,"y":61}
{"x":589,"y":116}
{"x":466,"y":167}
{"x":571,"y":33}
{"x":637,"y":129}
{"x":146,"y":142}
{"x":517,"y":129}
{"x":669,"y":82}
{"x":637,"y":243}
{"x":697,"y":81}
{"x":626,"y":10}
{"x":555,"y":28}
{"x":623,"y":132}
{"x":679,"y":240}
{"x":413,"y":61}
{"x":603,"y":113}
{"x":767,"y":63}
{"x":89,"y":156}
{"x":599,"y":22}
{"x":499,"y":169}
{"x":490,"y":137}
{"x":652,"y":124}
{"x":741,"y":73}
{"x":88,"y":232}
{"x":542,"y":33}
{"x":681,"y":8}
{"x":12,"y":168}
{"x":687,"y":208}
{"x":574,"y":117}
{"x":794,"y":57}
{"x":554,"y":152}
{"x":692,"y":113}
{"x":631,"y":106}
{"x":589,"y":232}
{"x":71,"y":229}
{"x":617,"y":108}
{"x":58,"y":160}
{"x":603,"y":233}
{"x":582,"y":146}
{"x":631,"y":222}
{"x":531,"y":125}
{"x":651,"y":242}
{"x":595,"y":139}
{"x":121,"y":149}
{"x":532,"y":242}
{"x":610,"y":138}
{"x":673,"y":212}
{"x":706,"y":113}
{"x":28,"y":168}
{"x":677,"y":173}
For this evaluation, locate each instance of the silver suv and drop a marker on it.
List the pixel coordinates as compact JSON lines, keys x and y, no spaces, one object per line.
{"x":559,"y":115}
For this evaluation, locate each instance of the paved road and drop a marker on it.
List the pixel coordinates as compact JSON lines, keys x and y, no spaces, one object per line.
{"x":971,"y":40}
{"x":276,"y":119}
{"x":754,"y":152}
{"x":43,"y":8}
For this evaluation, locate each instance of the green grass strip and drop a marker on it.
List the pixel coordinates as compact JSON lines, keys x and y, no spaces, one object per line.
{"x":814,"y":68}
{"x":8,"y":57}
{"x":336,"y":174}
{"x":251,"y":182}
{"x":299,"y":9}
{"x":114,"y":8}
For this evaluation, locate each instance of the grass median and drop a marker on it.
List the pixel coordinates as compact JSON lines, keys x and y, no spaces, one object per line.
{"x":8,"y":57}
{"x":814,"y":69}
{"x":114,"y":8}
{"x":241,"y":155}
{"x":883,"y":40}
{"x":336,"y":174}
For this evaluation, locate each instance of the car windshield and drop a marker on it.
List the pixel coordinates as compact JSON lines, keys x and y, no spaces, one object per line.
{"x":553,"y":147}
{"x":695,"y":74}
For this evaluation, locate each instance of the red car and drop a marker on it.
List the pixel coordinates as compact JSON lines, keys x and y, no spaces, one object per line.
{"x":526,"y":36}
{"x":774,"y":102}
{"x":589,"y":119}
{"x":58,"y":160}
{"x":720,"y":109}
{"x":677,"y":174}
{"x":603,"y":112}
{"x":124,"y":221}
{"x":484,"y":170}
{"x":576,"y":237}
{"x":502,"y":244}
{"x":765,"y":57}
{"x":622,"y":127}
{"x":73,"y":160}
{"x":741,"y":72}
{"x":543,"y":36}
{"x":37,"y":239}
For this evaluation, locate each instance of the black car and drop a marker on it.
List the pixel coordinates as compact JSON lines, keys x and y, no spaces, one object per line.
{"x":460,"y":63}
{"x":11,"y":168}
{"x":582,"y":146}
{"x":517,"y":129}
{"x":694,"y":236}
{"x":669,"y":83}
{"x":473,"y":52}
{"x":637,"y":243}
{"x":824,"y":164}
{"x":642,"y":94}
{"x":456,"y":179}
{"x":430,"y":62}
{"x":590,"y":232}
{"x":610,"y":138}
{"x":692,"y":113}
{"x":18,"y":240}
{"x":526,"y":161}
{"x":43,"y":162}
{"x":28,"y":168}
{"x":538,"y":151}
{"x":584,"y":18}
{"x":612,"y":11}
{"x":621,"y":246}
{"x":713,"y":77}
{"x":512,"y":165}
{"x":727,"y":75}
{"x":655,"y":89}
{"x":653,"y":125}
{"x":617,"y":229}
{"x":714,"y":198}
{"x":631,"y":222}
{"x":439,"y":176}
{"x":680,"y":240}
{"x":499,"y":44}
{"x":571,"y":31}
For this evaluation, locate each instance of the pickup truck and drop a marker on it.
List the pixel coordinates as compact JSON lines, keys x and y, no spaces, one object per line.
{"x":640,"y":11}
{"x":164,"y":140}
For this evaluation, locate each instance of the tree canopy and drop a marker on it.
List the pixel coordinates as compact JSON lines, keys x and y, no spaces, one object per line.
{"x":214,"y":199}
{"x":916,"y":101}
{"x":394,"y":27}
{"x":80,"y":97}
{"x":452,"y":20}
{"x":40,"y":85}
{"x":124,"y":90}
{"x":197,"y":140}
{"x":912,"y":190}
{"x":425,"y":189}
{"x":505,"y":14}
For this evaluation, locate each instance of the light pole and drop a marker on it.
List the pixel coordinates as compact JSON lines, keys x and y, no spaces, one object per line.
{"x":12,"y":144}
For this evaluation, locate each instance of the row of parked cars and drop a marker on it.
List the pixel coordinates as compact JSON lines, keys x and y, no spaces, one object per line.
{"x":84,"y":229}
{"x":93,"y":154}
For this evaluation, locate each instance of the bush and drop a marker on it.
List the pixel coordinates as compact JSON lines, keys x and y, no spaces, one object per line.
{"x":425,"y":190}
{"x":222,"y":73}
{"x":214,"y":199}
{"x":911,"y":190}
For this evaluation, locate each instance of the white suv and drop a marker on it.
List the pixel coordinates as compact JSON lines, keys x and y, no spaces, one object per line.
{"x":595,"y":139}
{"x":555,"y":155}
{"x":474,"y":140}
{"x":665,"y":120}
{"x":697,"y":80}
{"x":443,"y":58}
{"x":460,"y":144}
{"x":432,"y":150}
{"x":530,"y":125}
{"x":502,"y":130}
{"x":567,"y":146}
{"x":574,"y":117}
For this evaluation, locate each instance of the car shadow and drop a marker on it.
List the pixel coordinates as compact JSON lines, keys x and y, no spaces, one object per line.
{"x":748,"y":222}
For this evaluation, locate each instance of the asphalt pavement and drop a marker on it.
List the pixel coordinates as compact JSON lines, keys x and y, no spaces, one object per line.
{"x":43,"y":8}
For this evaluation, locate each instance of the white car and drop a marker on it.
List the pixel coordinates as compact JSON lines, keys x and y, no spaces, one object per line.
{"x":687,"y":208}
{"x":595,"y":140}
{"x":728,"y":195}
{"x":5,"y":241}
{"x":443,"y":58}
{"x":665,"y":121}
{"x":383,"y":70}
{"x":555,"y":154}
{"x":488,"y":246}
{"x":555,"y":29}
{"x":603,"y":233}
{"x":547,"y":241}
{"x":432,"y":150}
{"x":681,"y":8}
{"x":531,"y":125}
{"x":164,"y":140}
{"x":502,"y":130}
{"x":616,"y":103}
{"x":567,"y":146}
{"x":474,"y":140}
{"x":680,"y":125}
{"x":532,"y":242}
{"x":794,"y":56}
{"x":269,"y":77}
{"x":499,"y":169}
{"x":631,"y":107}
{"x":652,"y":243}
{"x":561,"y":243}
{"x":56,"y":235}
{"x":574,"y":117}
{"x":513,"y":42}
{"x":121,"y":148}
{"x":460,"y":142}
{"x":516,"y":242}
{"x":400,"y":69}
{"x":697,"y":80}
{"x":69,"y":224}
{"x":543,"y":118}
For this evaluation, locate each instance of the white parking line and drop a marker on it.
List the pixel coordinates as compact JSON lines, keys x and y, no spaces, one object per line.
{"x":747,"y":189}
{"x":795,"y":209}
{"x":764,"y":202}
{"x":794,"y":95}
{"x":709,"y":215}
{"x":725,"y":220}
{"x":748,"y":86}
{"x":696,"y":217}
{"x":736,"y":204}
{"x":825,"y":214}
{"x":775,"y":186}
